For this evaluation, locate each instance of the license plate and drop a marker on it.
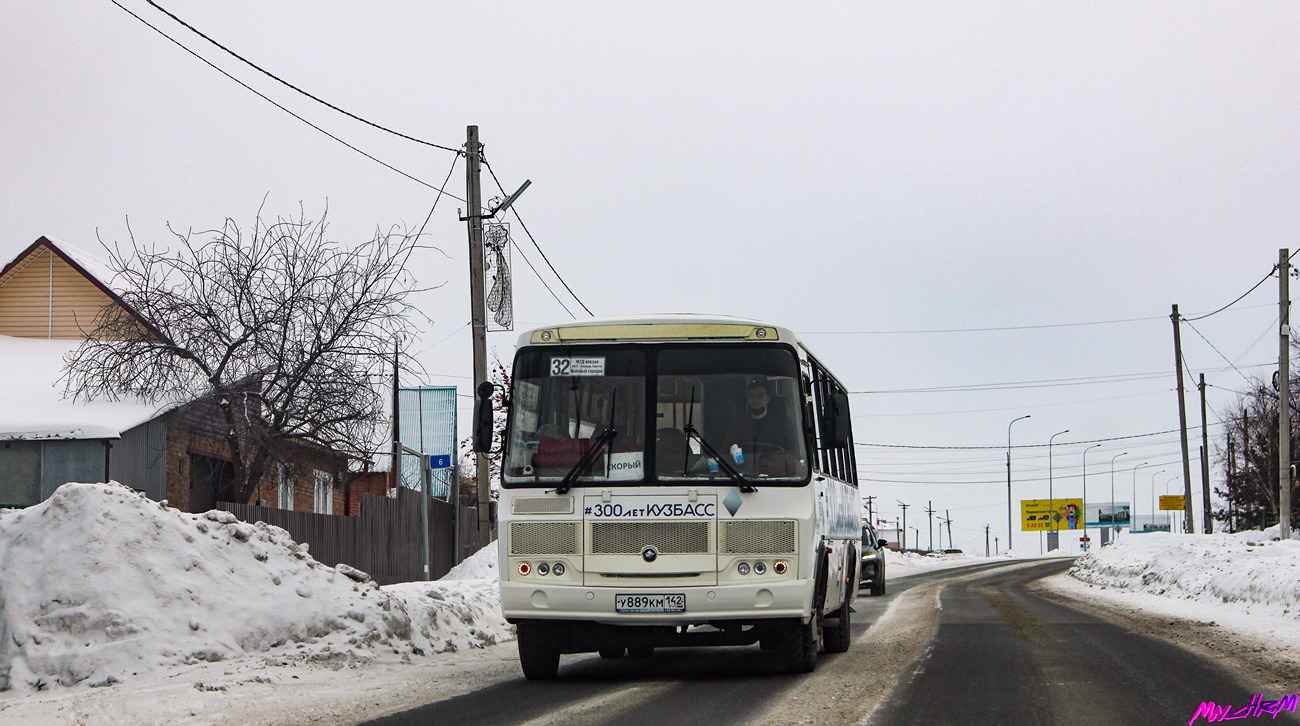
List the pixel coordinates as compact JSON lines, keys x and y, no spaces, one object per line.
{"x":656,"y":603}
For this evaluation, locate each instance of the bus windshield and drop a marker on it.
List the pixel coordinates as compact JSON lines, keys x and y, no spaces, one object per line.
{"x":735,"y":403}
{"x":566,"y":402}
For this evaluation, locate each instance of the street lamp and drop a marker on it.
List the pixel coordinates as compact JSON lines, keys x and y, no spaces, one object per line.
{"x":1133,"y":505}
{"x":1113,"y":528}
{"x":1153,"y":494}
{"x":1051,"y":501}
{"x":1084,"y":509}
{"x":1009,"y":477}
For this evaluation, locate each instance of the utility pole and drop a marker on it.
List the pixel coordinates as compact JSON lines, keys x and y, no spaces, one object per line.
{"x":1284,"y":394}
{"x":871,"y":513}
{"x":1207,"y":525}
{"x":986,"y":540}
{"x":996,"y":551}
{"x":929,"y":511}
{"x":478,"y":315}
{"x":949,"y":519}
{"x":1182,"y":418}
{"x":1232,"y":472}
{"x":397,"y":434}
{"x":1009,"y":478}
{"x":904,"y":542}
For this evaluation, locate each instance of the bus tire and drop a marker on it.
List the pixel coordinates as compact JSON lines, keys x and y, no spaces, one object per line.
{"x":611,"y":653}
{"x":644,"y":652}
{"x":838,"y":636}
{"x":538,"y":655}
{"x":799,"y":647}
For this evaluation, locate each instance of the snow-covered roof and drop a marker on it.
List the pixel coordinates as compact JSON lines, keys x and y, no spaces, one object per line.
{"x":32,"y":405}
{"x":96,"y":266}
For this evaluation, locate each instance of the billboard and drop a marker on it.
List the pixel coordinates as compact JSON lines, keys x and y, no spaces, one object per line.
{"x":1149,"y":523}
{"x":1038,"y":515}
{"x":1171,"y":503}
{"x":1106,"y":514}
{"x":427,"y":422}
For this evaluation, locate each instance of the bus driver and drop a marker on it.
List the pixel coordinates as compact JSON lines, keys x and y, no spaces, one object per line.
{"x":758,"y":435}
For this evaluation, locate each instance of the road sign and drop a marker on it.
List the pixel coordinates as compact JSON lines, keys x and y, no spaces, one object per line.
{"x":1171,"y":503}
{"x":1037,"y":515}
{"x":440,"y":461}
{"x":1106,"y":514}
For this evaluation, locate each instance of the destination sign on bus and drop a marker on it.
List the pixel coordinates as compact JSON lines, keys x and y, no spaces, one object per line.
{"x":561,"y":367}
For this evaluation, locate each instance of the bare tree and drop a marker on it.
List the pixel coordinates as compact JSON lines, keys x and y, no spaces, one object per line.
{"x":281,"y":330}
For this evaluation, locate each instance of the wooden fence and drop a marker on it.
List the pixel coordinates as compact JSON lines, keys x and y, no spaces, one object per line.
{"x":384,"y":540}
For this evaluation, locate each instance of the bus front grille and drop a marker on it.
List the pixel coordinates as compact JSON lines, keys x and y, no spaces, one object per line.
{"x":669,"y":538}
{"x":541,"y":505}
{"x":543,"y":538}
{"x":758,"y":537}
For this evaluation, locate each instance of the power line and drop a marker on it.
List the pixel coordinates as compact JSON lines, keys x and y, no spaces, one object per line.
{"x":1042,"y":383}
{"x":534,"y":241}
{"x":287,"y":84}
{"x":1244,"y":294}
{"x":1017,"y":446}
{"x":1006,"y":327}
{"x":266,"y":98}
{"x":543,"y":280}
{"x":1007,"y":408}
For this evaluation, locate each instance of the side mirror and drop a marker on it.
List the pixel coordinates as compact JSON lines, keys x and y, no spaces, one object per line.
{"x":882,"y":544}
{"x":841,"y":424}
{"x":483,"y":418}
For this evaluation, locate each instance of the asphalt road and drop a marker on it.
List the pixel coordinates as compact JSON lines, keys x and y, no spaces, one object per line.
{"x":1003,"y":655}
{"x":999,"y":655}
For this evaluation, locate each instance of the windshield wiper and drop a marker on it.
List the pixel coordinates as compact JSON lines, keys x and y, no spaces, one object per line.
{"x":598,"y":446}
{"x":725,"y":465}
{"x":600,"y":443}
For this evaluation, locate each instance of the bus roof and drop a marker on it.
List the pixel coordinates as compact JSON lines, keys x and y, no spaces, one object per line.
{"x":655,"y":328}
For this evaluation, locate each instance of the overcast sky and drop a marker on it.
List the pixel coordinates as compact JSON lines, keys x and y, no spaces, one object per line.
{"x":836,"y":168}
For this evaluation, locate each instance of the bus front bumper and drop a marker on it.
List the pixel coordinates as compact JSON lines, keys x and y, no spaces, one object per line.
{"x":527,"y":601}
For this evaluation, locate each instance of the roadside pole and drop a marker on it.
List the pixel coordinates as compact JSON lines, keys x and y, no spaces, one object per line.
{"x":478,"y":316}
{"x":1284,"y":394}
{"x":1207,"y":524}
{"x":1182,"y":418}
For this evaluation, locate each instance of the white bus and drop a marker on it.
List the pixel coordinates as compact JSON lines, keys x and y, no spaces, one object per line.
{"x":675,"y":480}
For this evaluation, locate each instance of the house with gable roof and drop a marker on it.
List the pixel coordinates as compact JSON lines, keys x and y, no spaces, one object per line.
{"x":50,"y":295}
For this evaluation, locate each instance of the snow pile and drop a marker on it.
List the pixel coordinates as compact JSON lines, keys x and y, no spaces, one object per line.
{"x":481,"y":565}
{"x":98,"y":584}
{"x":899,"y":564}
{"x":1246,"y":568}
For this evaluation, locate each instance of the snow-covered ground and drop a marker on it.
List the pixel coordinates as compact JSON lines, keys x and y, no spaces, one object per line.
{"x":1246,"y":572}
{"x":902,"y":564}
{"x":1245,"y":587}
{"x":108,"y":597}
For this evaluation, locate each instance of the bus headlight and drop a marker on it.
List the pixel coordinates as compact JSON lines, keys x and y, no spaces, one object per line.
{"x":780,"y":567}
{"x":743,"y":568}
{"x":525,"y":568}
{"x":759,"y":568}
{"x":543,"y":568}
{"x":557,"y":569}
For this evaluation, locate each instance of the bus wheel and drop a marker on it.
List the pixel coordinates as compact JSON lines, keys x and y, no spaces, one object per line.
{"x":641,"y":652}
{"x":538,"y":655}
{"x":611,"y":653}
{"x":837,"y":636}
{"x":800,"y":645}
